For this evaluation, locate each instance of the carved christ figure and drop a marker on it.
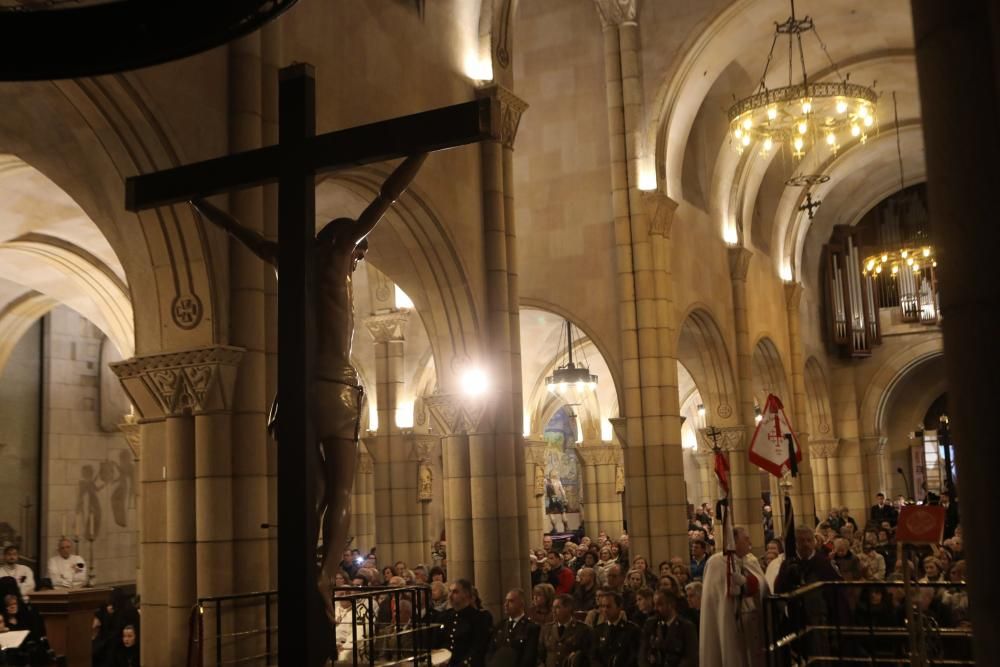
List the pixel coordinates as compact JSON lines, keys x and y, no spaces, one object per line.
{"x":335,"y":393}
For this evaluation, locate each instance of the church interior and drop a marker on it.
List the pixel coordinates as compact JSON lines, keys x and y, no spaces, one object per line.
{"x":557,"y":329}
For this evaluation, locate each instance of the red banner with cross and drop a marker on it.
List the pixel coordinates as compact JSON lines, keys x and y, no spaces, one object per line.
{"x":769,"y":448}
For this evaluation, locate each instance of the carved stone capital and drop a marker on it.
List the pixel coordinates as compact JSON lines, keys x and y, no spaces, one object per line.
{"x":793,"y":296}
{"x":507,"y":108}
{"x":454,"y":414}
{"x":730,"y":439}
{"x":616,"y":12}
{"x":873,"y":444}
{"x":600,"y":455}
{"x":133,"y":435}
{"x":422,"y":447}
{"x":824,"y":448}
{"x":534,"y":451}
{"x":660,"y":210}
{"x":176,"y":383}
{"x":739,"y":262}
{"x":388,"y":327}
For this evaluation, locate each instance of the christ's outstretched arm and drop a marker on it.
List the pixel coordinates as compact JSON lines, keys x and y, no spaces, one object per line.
{"x":393,"y":187}
{"x":255,"y":243}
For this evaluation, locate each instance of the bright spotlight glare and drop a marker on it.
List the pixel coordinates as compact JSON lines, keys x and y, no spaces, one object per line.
{"x":474,"y":382}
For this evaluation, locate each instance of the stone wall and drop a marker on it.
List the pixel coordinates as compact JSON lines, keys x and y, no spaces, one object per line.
{"x":20,"y":381}
{"x":89,"y":475}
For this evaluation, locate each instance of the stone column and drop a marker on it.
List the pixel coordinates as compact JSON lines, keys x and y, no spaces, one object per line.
{"x":425,"y":449}
{"x":497,"y":461}
{"x":796,"y":409}
{"x":746,"y":480}
{"x":187,"y":506}
{"x":601,"y":465}
{"x":363,"y":502}
{"x":534,"y":475}
{"x":956,"y":44}
{"x":846,"y":472}
{"x":395,"y":473}
{"x":247,"y":328}
{"x":657,"y":518}
{"x":822,"y":452}
{"x":733,"y":441}
{"x":876,"y":470}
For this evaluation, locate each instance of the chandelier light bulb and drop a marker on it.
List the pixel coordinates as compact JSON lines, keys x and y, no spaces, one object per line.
{"x":916,"y":268}
{"x":934,"y":264}
{"x":803,"y":126}
{"x":798,"y":143}
{"x":863,"y":111}
{"x":747,"y":123}
{"x":909,"y":261}
{"x":895,"y":269}
{"x":870,"y":265}
{"x":927,"y":252}
{"x":831,"y":139}
{"x":855,"y":131}
{"x":868,"y":121}
{"x":807,"y":106}
{"x":738,"y":133}
{"x":885,"y":258}
{"x":772,"y":113}
{"x":768,"y":144}
{"x":878,"y":269}
{"x":841,"y":106}
{"x":746,"y":140}
{"x":905,"y":254}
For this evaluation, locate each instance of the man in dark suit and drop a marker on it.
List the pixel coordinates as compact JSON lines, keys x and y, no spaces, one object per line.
{"x":616,"y":639}
{"x":807,"y":565}
{"x":466,"y":631}
{"x":882,"y":511}
{"x":951,"y":515}
{"x":668,"y":640}
{"x":515,"y":638}
{"x":565,"y":642}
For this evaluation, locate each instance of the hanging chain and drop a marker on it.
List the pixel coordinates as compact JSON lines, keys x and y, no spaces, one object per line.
{"x":770,"y":54}
{"x":827,"y":53}
{"x":899,"y":147}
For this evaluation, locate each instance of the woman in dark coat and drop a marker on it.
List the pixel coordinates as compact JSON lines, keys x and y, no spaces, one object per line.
{"x":127,"y":653}
{"x":19,"y":615}
{"x":111,"y":619}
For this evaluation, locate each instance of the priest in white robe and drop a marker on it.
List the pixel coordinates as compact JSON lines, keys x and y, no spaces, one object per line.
{"x":732,"y":608}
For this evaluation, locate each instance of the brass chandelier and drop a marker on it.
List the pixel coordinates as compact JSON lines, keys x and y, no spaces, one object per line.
{"x":802,"y":114}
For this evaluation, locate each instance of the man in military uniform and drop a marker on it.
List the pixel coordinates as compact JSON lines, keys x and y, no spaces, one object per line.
{"x":616,"y":639}
{"x":668,"y":640}
{"x":466,"y":631}
{"x":565,"y":642}
{"x":515,"y":638}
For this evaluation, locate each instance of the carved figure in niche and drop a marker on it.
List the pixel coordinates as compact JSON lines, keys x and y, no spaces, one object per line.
{"x":335,"y":393}
{"x":88,"y":507}
{"x":123,"y":497}
{"x":555,"y":501}
{"x":426,"y":490}
{"x":539,"y":481}
{"x":619,"y":479}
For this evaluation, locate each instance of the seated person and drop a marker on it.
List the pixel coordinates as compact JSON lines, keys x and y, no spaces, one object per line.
{"x":22,"y":573}
{"x":66,"y":569}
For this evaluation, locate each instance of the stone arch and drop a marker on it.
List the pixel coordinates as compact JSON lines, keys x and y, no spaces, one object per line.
{"x":414,"y":248}
{"x":889,"y":375}
{"x":818,"y":400}
{"x":17,"y":317}
{"x":87,"y":136}
{"x":768,"y":371}
{"x":701,"y":349}
{"x":541,"y":353}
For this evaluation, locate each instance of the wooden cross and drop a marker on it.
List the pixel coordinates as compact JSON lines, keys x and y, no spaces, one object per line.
{"x":810,"y":205}
{"x":294,"y":162}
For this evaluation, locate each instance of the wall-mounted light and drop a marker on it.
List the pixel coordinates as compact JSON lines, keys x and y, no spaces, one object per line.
{"x":404,"y":414}
{"x":474,"y":382}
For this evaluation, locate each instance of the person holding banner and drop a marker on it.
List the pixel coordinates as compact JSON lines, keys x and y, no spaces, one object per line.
{"x":732,"y":602}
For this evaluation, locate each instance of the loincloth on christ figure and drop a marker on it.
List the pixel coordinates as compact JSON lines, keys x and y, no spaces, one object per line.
{"x":336,"y":405}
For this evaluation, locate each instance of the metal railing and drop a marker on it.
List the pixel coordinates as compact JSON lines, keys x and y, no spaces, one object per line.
{"x":227,"y":644}
{"x":870,"y":622}
{"x":373,"y":625}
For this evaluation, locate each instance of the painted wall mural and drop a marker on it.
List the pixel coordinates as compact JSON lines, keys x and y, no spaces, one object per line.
{"x":563,"y":486}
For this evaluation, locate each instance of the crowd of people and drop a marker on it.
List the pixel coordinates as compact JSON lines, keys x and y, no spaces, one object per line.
{"x":594,"y":602}
{"x":115,"y":626}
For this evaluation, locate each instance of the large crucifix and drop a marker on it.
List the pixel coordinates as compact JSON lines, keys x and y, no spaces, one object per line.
{"x":294,"y":162}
